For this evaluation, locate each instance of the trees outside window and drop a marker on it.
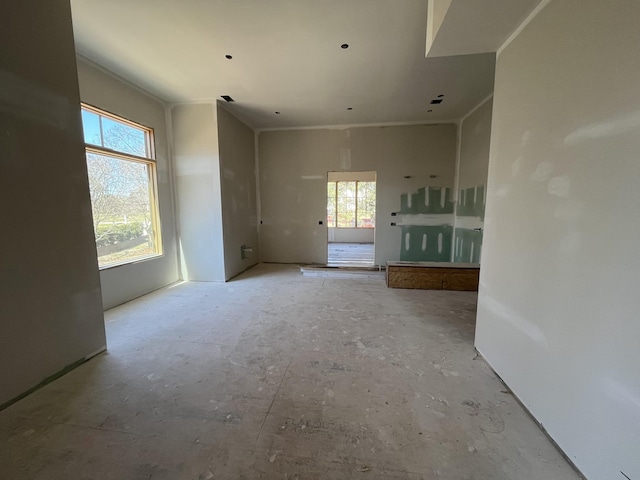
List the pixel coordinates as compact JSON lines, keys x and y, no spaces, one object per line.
{"x":122,"y":182}
{"x":351,"y":204}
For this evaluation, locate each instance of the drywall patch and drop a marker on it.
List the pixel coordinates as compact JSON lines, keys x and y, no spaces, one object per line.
{"x":542,"y":172}
{"x":516,"y":166}
{"x":559,"y":186}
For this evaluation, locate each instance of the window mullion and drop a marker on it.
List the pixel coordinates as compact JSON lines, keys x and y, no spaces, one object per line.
{"x":113,"y":153}
{"x":101,"y":131}
{"x":356,"y":219}
{"x":337,"y":203}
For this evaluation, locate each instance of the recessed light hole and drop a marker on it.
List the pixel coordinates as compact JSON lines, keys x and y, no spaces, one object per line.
{"x":277,"y":113}
{"x":429,"y":110}
{"x":349,"y":108}
{"x":228,"y":57}
{"x":441,"y":95}
{"x":344,"y":46}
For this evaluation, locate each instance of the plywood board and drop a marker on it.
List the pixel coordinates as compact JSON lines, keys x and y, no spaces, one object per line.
{"x":433,"y":277}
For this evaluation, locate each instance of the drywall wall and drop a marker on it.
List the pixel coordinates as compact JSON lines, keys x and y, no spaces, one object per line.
{"x":50,"y":305}
{"x":293,"y":166}
{"x":351,"y":235}
{"x":351,"y":176}
{"x":125,"y":282}
{"x":558,"y":302}
{"x":473,"y":165}
{"x":199,"y":200}
{"x":238,"y":189}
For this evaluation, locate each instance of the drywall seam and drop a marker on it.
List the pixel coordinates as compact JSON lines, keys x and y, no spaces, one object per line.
{"x":129,"y":83}
{"x":473,"y":110}
{"x":456,"y":177}
{"x":430,"y":35}
{"x":347,"y":126}
{"x":522,"y":26}
{"x":173,"y":188}
{"x":225,"y":106}
{"x":218,"y":213}
{"x":256,"y":157}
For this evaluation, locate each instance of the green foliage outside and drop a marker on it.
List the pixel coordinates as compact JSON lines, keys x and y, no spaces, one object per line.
{"x":117,"y":233}
{"x":351,"y":204}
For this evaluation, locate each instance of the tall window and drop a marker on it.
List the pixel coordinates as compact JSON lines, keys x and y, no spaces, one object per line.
{"x":351,"y":204}
{"x":122,"y":179}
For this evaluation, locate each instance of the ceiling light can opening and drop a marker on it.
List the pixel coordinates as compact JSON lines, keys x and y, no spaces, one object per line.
{"x":277,"y":113}
{"x":344,"y":46}
{"x":228,"y":57}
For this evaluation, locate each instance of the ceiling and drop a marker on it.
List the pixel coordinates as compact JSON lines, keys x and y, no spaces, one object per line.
{"x":485,"y":24}
{"x":287,"y":57}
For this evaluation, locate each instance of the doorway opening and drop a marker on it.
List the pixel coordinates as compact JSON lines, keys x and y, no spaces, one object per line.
{"x":351,"y":218}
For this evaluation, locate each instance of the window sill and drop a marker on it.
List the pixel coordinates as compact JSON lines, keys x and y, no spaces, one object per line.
{"x":131,"y":262}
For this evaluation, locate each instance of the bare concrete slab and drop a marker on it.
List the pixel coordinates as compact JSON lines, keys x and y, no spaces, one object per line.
{"x":277,"y":375}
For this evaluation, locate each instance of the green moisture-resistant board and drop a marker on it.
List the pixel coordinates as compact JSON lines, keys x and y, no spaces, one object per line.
{"x":471,"y":202}
{"x":426,"y":243}
{"x":468,"y":245}
{"x":434,"y":205}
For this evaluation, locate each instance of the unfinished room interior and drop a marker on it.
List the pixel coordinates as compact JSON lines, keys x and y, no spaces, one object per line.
{"x":222,"y":222}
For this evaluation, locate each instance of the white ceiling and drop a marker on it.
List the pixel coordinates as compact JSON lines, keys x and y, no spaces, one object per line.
{"x":286,"y":58}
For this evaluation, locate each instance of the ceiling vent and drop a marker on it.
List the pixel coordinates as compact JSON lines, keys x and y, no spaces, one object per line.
{"x":436,"y":101}
{"x":228,"y":98}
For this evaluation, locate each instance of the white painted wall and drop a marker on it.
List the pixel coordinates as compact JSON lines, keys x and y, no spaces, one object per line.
{"x":103,"y":90}
{"x":293,"y":167}
{"x":197,"y":177}
{"x":50,"y":306}
{"x":558,"y":303}
{"x":238,"y":190}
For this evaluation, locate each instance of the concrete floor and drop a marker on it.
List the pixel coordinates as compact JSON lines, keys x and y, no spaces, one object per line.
{"x":276,"y":375}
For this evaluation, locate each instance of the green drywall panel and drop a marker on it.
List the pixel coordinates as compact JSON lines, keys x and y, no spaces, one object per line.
{"x":426,"y":243}
{"x":471,"y":202}
{"x":427,"y":200}
{"x":468,"y":245}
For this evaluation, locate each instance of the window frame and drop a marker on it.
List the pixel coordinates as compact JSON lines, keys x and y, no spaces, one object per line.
{"x":335,"y":201}
{"x":149,"y":161}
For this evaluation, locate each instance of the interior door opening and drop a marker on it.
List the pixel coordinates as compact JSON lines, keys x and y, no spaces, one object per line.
{"x":351,"y":218}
